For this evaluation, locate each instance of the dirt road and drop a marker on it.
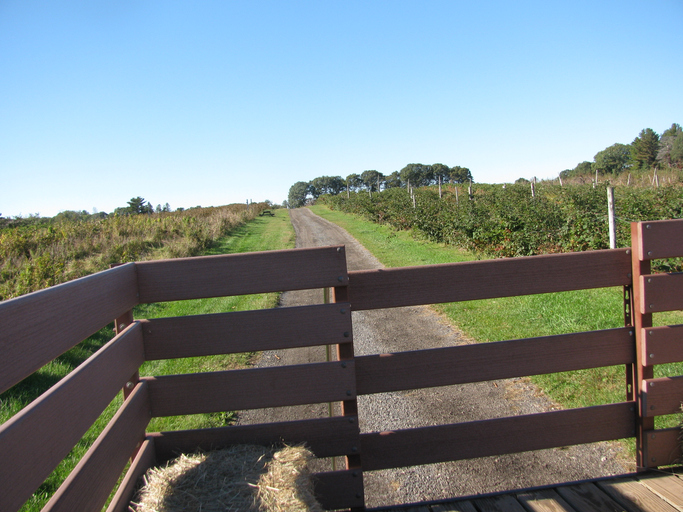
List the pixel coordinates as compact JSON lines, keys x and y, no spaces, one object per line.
{"x":412,"y":328}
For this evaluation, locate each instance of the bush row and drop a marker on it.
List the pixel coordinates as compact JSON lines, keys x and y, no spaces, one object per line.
{"x":503,"y":221}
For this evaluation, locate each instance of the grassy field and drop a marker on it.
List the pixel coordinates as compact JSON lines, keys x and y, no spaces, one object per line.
{"x":262,"y":233}
{"x":517,"y":317}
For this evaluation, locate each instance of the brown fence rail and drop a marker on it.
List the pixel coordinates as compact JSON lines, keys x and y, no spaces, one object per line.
{"x":40,"y":326}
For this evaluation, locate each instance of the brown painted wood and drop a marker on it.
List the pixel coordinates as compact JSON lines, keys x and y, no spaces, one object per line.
{"x":144,"y":460}
{"x":502,"y":503}
{"x":326,"y":437}
{"x":339,"y":489}
{"x":40,"y":326}
{"x":588,"y":496}
{"x":91,"y":482}
{"x":662,"y":447}
{"x":660,"y":239}
{"x":384,"y":450}
{"x":36,"y":439}
{"x":663,"y":344}
{"x":661,"y":292}
{"x":489,"y":361}
{"x":546,"y":500}
{"x":246,"y":331}
{"x":251,"y":389}
{"x":452,"y":282}
{"x":669,"y":487}
{"x":641,"y":321}
{"x":662,"y":396}
{"x":458,"y":506}
{"x":634,"y":497}
{"x":241,"y":274}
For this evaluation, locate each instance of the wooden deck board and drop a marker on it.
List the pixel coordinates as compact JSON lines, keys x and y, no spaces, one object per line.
{"x":638,"y":492}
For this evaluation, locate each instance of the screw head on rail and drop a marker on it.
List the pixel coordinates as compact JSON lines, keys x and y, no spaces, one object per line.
{"x":647,"y":226}
{"x":122,"y":326}
{"x":129,"y":385}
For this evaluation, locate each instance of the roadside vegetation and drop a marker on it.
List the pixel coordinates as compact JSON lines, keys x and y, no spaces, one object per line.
{"x":515,"y":317}
{"x":39,"y":252}
{"x":221,"y":230}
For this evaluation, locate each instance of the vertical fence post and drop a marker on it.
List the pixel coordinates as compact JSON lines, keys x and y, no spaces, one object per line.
{"x":611,"y":218}
{"x":641,"y":321}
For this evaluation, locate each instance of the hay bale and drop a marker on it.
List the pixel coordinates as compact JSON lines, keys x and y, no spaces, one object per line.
{"x":240,"y":478}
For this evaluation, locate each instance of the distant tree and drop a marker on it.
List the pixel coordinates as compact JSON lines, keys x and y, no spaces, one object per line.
{"x":137,"y":206}
{"x":353,"y":182}
{"x":393,"y":180}
{"x":666,"y":143}
{"x":441,"y":174}
{"x":522,"y":181}
{"x":372,"y":180}
{"x":416,"y":175}
{"x":297,"y":194}
{"x":612,"y":160}
{"x":676,"y":153}
{"x":326,"y":185}
{"x":644,"y":149}
{"x":460,"y":174}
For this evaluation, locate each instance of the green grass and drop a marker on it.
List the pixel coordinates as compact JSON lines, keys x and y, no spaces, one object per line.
{"x":263,"y":233}
{"x":518,"y":317}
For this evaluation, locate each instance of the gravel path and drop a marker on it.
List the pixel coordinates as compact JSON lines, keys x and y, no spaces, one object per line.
{"x":411,"y":328}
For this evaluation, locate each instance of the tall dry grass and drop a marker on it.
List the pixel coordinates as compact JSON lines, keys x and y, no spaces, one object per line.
{"x":36,"y":256}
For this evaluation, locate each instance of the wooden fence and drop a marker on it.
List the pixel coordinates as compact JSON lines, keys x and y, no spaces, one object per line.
{"x":39,"y":327}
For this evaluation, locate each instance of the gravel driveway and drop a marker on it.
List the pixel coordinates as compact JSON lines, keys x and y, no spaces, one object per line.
{"x":411,"y":328}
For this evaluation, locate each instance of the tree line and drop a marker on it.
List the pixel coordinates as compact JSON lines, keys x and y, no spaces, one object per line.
{"x":648,"y":151}
{"x":412,"y":175}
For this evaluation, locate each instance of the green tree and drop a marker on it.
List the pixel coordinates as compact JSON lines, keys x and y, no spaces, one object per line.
{"x":393,"y":180}
{"x":612,"y":160}
{"x":460,"y":174}
{"x":372,"y":180}
{"x":666,"y":143}
{"x":297,"y":194}
{"x":676,"y":153}
{"x":644,"y":149}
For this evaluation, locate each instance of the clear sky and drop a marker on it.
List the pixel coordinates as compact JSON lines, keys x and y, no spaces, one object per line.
{"x":216,"y":102}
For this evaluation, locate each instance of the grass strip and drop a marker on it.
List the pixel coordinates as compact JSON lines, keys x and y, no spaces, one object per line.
{"x":518,"y":317}
{"x":260,"y":234}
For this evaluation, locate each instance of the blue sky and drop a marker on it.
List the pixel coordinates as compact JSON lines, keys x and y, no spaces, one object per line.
{"x":216,"y":102}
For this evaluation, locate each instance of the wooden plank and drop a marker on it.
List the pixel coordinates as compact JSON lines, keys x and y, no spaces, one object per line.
{"x":252,"y":389}
{"x":144,"y":460}
{"x":662,"y":447}
{"x":662,"y":396}
{"x":634,"y":497}
{"x":544,"y":501}
{"x":246,"y":331}
{"x":661,"y":292}
{"x":40,"y":326}
{"x":489,"y":361}
{"x":92,"y":480}
{"x":454,"y":282}
{"x":339,"y":489}
{"x":34,"y":441}
{"x":326,"y":437}
{"x":503,"y":503}
{"x":668,"y":486}
{"x":426,"y":445}
{"x":660,"y":239}
{"x":588,"y":497}
{"x":241,"y":274}
{"x":662,"y":344}
{"x":457,"y":506}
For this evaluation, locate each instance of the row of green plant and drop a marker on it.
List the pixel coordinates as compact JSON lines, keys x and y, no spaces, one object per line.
{"x":36,"y":255}
{"x":259,"y":234}
{"x":515,"y":220}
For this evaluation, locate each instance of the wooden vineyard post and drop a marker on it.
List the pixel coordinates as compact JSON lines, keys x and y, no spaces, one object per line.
{"x":641,"y":320}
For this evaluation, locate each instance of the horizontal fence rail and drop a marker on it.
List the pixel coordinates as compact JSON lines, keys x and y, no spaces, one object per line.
{"x":247,"y":331}
{"x":60,"y":417}
{"x":491,"y":361}
{"x":241,"y":274}
{"x":455,"y":282}
{"x":40,"y":326}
